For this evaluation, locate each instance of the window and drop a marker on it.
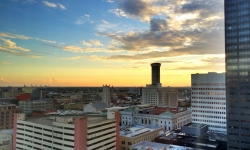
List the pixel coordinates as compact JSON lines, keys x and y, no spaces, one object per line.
{"x":123,"y":142}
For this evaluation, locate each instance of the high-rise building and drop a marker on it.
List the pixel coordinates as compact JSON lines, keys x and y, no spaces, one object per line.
{"x":157,"y":95}
{"x":155,"y":73}
{"x":208,"y":99}
{"x":237,"y":49}
{"x":106,"y":98}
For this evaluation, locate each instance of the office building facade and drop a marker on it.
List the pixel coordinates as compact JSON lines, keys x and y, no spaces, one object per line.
{"x":6,"y":115}
{"x":237,"y":49}
{"x":208,"y":100}
{"x":66,"y":132}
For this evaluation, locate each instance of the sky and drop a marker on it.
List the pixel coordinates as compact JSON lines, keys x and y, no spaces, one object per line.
{"x":113,"y":42}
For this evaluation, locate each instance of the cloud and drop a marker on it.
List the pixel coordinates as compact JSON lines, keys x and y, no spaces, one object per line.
{"x":106,"y":26}
{"x":78,"y":49}
{"x":105,"y":22}
{"x":15,"y":36}
{"x":92,"y":43}
{"x":158,"y":24}
{"x":47,"y":41}
{"x":176,"y":28}
{"x":48,"y":81}
{"x":54,"y":5}
{"x":5,"y":63}
{"x":83,"y":19}
{"x":62,"y":6}
{"x":142,"y":9}
{"x":3,"y":79}
{"x":10,"y":47}
{"x":49,"y":4}
{"x":110,"y":1}
{"x":8,"y":44}
{"x":23,"y":37}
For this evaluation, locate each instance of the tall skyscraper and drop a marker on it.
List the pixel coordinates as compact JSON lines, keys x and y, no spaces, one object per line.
{"x":209,"y":100}
{"x":106,"y":97}
{"x":237,"y":48}
{"x":157,"y":95}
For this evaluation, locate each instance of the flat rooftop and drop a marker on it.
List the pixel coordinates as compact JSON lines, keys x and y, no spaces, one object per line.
{"x":48,"y":120}
{"x":195,"y":125}
{"x":136,"y":130}
{"x":145,"y":145}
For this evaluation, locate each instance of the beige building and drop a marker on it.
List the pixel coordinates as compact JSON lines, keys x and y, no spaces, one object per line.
{"x":12,"y":94}
{"x":74,"y":132}
{"x":28,"y":89}
{"x":136,"y":134}
{"x":6,"y":115}
{"x":6,"y":139}
{"x":160,"y":96}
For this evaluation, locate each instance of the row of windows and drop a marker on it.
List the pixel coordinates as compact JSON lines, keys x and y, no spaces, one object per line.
{"x":231,"y":8}
{"x":240,"y":80}
{"x":235,"y":100}
{"x":234,"y":27}
{"x":235,"y":67}
{"x":208,"y":84}
{"x":208,"y":116}
{"x":234,"y":53}
{"x":212,"y":98}
{"x":209,"y":93}
{"x":208,"y":107}
{"x":210,"y":121}
{"x":212,"y":112}
{"x":235,"y":120}
{"x":213,"y":89}
{"x":239,"y":19}
{"x":240,"y":12}
{"x":207,"y":102}
{"x":242,"y":73}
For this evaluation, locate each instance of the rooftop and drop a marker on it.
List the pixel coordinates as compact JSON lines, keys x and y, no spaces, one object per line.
{"x":145,"y":145}
{"x":195,"y":125}
{"x":136,"y":130}
{"x":48,"y":120}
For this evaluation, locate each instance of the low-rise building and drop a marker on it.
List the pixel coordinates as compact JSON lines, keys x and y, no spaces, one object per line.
{"x":6,"y":115}
{"x":168,"y":118}
{"x":137,"y":133}
{"x":94,"y":107}
{"x":30,"y":106}
{"x":74,"y":132}
{"x":145,"y":145}
{"x":73,"y":106}
{"x":6,"y":139}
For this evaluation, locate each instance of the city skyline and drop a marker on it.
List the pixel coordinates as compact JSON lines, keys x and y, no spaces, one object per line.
{"x":91,"y":43}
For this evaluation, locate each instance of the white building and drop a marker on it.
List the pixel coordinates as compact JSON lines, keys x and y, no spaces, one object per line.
{"x":168,"y":118}
{"x":66,"y":132}
{"x":208,"y":100}
{"x":106,"y":98}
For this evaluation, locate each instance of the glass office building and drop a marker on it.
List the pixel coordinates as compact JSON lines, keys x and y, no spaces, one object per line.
{"x":237,"y":49}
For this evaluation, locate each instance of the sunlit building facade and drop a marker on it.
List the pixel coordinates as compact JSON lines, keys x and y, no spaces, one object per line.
{"x":77,"y":132}
{"x":208,"y":99}
{"x":237,"y":49}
